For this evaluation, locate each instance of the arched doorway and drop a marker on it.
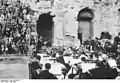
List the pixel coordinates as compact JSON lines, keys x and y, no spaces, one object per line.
{"x":85,"y":25}
{"x":45,"y":27}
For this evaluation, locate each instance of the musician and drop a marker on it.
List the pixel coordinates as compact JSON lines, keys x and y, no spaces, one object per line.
{"x":60,"y":57}
{"x":39,"y":44}
{"x":80,"y":35}
{"x":100,"y":72}
{"x":45,"y":74}
{"x":75,"y":72}
{"x":36,"y":67}
{"x":112,"y":72}
{"x":117,"y":39}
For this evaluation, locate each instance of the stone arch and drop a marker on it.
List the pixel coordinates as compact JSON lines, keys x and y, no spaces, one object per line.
{"x":85,"y":14}
{"x":45,"y":26}
{"x":85,"y":24}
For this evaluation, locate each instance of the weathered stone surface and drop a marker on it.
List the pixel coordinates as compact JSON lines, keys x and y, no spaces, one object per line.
{"x":106,"y":16}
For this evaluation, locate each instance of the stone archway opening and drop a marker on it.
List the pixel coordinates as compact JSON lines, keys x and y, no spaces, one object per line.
{"x":45,"y":27}
{"x":85,"y":25}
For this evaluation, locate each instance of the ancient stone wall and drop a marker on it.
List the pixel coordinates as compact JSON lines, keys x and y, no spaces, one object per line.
{"x":106,"y":16}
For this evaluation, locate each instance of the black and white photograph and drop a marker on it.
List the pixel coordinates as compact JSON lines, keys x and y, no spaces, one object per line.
{"x":60,"y":39}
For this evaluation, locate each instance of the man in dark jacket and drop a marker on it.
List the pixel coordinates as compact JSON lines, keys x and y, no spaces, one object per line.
{"x":117,"y":39}
{"x":99,"y":72}
{"x":36,"y":67}
{"x":45,"y":74}
{"x":39,"y":44}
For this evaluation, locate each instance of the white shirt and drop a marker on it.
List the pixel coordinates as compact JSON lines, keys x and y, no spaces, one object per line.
{"x":112,"y":63}
{"x":57,"y":55}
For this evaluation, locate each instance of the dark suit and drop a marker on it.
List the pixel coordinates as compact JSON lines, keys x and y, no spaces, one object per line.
{"x":112,"y":73}
{"x":98,"y":73}
{"x":80,"y":37}
{"x":35,"y":65}
{"x":39,"y":45}
{"x":45,"y":74}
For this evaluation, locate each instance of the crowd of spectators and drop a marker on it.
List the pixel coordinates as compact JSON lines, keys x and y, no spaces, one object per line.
{"x":15,"y":26}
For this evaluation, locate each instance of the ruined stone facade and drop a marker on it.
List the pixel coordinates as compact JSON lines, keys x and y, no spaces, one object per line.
{"x":106,"y":17}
